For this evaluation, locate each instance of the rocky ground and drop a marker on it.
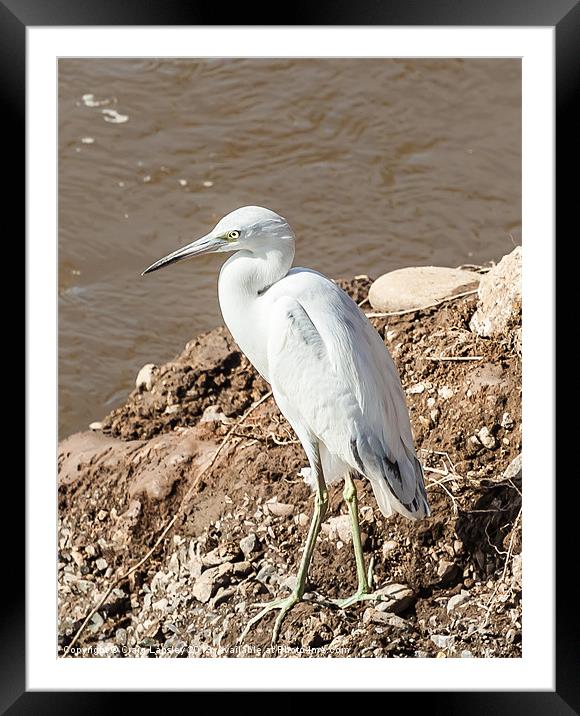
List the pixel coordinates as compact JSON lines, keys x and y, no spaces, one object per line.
{"x":228,"y":528}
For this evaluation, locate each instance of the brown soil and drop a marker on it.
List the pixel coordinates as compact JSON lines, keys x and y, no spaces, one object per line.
{"x":119,"y":487}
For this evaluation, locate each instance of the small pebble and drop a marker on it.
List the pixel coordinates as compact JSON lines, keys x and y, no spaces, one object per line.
{"x":457,"y":600}
{"x":279,"y":509}
{"x":248,"y":544}
{"x":507,"y":422}
{"x":445,"y":392}
{"x":442,"y":641}
{"x":487,"y":439}
{"x":121,"y":637}
{"x":302,"y":519}
{"x":389,"y":546}
{"x":145,"y":377}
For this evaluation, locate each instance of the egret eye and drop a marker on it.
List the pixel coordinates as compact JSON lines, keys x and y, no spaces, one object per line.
{"x":233,"y":234}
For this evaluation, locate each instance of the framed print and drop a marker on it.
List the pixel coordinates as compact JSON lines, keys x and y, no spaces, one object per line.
{"x":339,"y":477}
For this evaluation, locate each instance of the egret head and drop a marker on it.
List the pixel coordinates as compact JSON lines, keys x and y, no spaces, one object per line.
{"x":250,"y":228}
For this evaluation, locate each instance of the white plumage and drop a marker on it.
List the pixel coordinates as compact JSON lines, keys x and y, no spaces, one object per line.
{"x":331,"y":374}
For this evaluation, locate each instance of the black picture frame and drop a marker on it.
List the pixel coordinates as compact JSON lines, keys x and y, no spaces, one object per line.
{"x":564,"y":15}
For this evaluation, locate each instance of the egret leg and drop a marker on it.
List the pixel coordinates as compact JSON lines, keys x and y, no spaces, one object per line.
{"x":365,"y":579}
{"x":285,"y":604}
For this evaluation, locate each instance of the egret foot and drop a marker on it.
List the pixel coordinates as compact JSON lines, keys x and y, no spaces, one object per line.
{"x":284,"y":605}
{"x":358,"y":596}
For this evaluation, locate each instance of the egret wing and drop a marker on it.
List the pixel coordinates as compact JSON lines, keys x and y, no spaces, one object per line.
{"x":331,"y":371}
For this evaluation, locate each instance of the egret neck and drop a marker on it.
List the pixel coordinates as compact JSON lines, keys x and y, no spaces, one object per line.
{"x":243,"y":284}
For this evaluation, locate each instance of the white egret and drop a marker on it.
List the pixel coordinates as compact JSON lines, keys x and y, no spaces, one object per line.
{"x":331,"y":376}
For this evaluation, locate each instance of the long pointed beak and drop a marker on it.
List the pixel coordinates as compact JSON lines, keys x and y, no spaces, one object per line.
{"x":205,"y":245}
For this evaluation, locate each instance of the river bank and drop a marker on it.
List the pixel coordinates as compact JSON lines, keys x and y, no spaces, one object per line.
{"x":175,"y":542}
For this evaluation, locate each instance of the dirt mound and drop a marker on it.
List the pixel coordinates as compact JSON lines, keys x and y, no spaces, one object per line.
{"x":454,"y":579}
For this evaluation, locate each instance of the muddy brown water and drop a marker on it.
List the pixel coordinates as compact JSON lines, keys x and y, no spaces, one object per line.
{"x":377,"y":164}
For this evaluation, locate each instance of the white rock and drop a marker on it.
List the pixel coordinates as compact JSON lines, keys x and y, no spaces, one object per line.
{"x":416,"y":389}
{"x":514,"y":469}
{"x":420,"y":286}
{"x":248,"y":544}
{"x":209,"y":581}
{"x":213,"y":558}
{"x":212,"y":414}
{"x":507,"y":422}
{"x":377,"y":616}
{"x":173,"y":565}
{"x":267,"y":572}
{"x":121,"y":637}
{"x":487,"y":439}
{"x":160,"y":605}
{"x":301,"y":519}
{"x":289,"y":582}
{"x":445,"y":392}
{"x":442,"y":641}
{"x":279,"y":509}
{"x":457,"y":600}
{"x":97,"y":622}
{"x":145,"y":377}
{"x":203,"y":588}
{"x":500,"y":297}
{"x":195,"y":566}
{"x":396,"y":597}
{"x":339,"y":528}
{"x":96,"y":426}
{"x":389,"y":546}
{"x":446,"y":569}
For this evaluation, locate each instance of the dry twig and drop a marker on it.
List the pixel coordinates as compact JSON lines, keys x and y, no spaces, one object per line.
{"x":501,"y":580}
{"x":453,"y":358}
{"x":440,"y":484}
{"x":277,"y":441}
